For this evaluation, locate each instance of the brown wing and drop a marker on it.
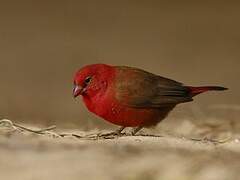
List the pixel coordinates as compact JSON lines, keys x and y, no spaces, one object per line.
{"x":141,"y":89}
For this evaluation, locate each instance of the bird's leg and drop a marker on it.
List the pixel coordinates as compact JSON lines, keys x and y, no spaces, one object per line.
{"x":119,"y":131}
{"x":135,"y":130}
{"x":114,"y":133}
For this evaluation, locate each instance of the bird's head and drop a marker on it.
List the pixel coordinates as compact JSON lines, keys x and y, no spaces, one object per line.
{"x":91,"y":79}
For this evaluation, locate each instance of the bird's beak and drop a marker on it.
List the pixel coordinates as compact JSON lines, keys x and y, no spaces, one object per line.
{"x":77,"y":90}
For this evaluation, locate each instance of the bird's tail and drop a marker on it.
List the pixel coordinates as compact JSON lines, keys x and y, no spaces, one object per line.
{"x":193,"y":91}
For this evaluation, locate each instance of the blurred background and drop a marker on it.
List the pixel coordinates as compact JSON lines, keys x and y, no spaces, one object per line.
{"x":43,"y":43}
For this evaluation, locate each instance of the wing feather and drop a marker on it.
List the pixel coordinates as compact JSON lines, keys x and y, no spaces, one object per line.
{"x":141,"y":89}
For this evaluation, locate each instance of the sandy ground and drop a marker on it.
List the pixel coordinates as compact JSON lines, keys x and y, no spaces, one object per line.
{"x":30,"y":156}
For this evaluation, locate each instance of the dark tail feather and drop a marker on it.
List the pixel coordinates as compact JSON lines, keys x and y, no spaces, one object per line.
{"x":193,"y":91}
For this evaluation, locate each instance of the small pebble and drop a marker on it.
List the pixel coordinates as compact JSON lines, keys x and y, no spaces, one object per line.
{"x":236,"y":140}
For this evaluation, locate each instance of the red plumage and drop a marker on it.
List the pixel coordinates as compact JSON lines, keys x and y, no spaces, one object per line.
{"x":131,"y":97}
{"x":198,"y":90}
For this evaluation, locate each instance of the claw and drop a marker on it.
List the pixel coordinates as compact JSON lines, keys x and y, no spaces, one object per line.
{"x":111,"y":134}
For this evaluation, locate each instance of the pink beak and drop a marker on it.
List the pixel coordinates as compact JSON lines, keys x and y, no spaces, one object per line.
{"x":77,"y":90}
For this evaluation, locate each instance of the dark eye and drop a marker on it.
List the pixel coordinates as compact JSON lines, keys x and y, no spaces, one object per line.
{"x":88,"y":79}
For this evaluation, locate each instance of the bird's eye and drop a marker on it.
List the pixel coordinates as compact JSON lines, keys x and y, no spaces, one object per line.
{"x":88,"y":79}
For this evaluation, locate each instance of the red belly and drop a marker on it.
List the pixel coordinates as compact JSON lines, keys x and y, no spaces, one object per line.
{"x":129,"y":117}
{"x":125,"y":116}
{"x":133,"y":117}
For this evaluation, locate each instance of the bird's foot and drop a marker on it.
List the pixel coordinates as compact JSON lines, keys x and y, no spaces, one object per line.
{"x":113,"y":134}
{"x":110,"y":135}
{"x":118,"y":133}
{"x":135,"y":130}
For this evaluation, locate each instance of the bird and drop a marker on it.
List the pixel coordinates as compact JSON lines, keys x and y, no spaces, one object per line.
{"x":131,"y":97}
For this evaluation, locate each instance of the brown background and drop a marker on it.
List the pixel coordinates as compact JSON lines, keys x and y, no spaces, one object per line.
{"x":43,"y":43}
